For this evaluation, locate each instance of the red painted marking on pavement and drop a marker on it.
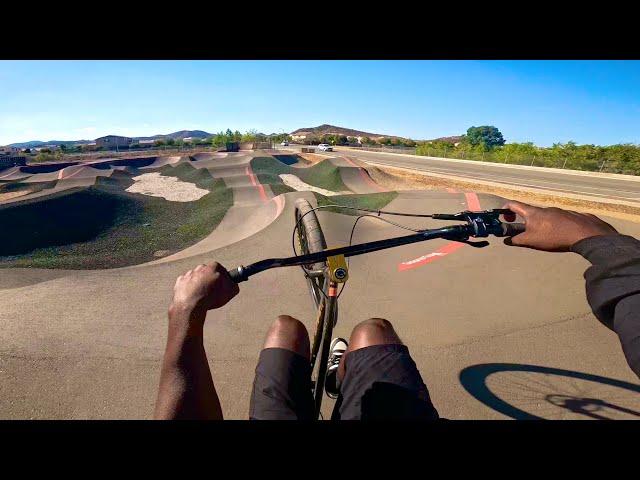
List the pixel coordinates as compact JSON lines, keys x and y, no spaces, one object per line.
{"x":430,"y":257}
{"x":279,"y":204}
{"x":255,"y":183}
{"x":473,"y":203}
{"x":60,"y":176}
{"x":365,"y":176}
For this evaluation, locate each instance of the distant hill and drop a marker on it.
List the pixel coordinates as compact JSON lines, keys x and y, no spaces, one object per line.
{"x":333,"y":130}
{"x":350,"y":132}
{"x":175,"y":135}
{"x":452,"y":139}
{"x":39,"y":143}
{"x":178,"y":135}
{"x":315,"y":131}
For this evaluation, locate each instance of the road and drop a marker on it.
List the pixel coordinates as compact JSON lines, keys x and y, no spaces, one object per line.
{"x":560,"y":181}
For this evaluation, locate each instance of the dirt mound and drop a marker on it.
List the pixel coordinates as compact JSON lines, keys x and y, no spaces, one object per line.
{"x":104,"y":226}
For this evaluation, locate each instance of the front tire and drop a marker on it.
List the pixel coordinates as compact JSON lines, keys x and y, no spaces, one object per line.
{"x":311,"y":240}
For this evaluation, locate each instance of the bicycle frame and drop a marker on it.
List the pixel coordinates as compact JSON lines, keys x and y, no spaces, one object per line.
{"x":327,"y":319}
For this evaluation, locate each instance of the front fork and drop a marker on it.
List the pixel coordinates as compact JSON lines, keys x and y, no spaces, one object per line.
{"x":337,"y":272}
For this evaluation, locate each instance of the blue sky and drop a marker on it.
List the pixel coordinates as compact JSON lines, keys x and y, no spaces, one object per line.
{"x":539,"y":101}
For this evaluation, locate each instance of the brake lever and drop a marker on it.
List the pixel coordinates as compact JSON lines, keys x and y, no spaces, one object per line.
{"x":484,"y":223}
{"x":480,"y":244}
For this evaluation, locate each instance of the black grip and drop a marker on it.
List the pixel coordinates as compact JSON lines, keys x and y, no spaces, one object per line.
{"x":512,"y":229}
{"x":446,"y":216}
{"x":238,"y":274}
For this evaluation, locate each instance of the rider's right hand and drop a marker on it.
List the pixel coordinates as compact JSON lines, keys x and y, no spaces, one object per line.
{"x":553,"y":229}
{"x":203,"y":288}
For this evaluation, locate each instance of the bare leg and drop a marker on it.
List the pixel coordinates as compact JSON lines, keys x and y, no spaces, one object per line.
{"x":288,"y":333}
{"x":374,"y":331}
{"x":282,"y":385}
{"x":381,"y":382}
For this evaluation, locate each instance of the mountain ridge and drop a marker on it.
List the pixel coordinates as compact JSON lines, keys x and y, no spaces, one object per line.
{"x":180,"y":134}
{"x":326,"y":129}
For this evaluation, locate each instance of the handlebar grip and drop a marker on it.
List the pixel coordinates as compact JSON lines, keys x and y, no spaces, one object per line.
{"x":238,"y":274}
{"x":512,"y":229}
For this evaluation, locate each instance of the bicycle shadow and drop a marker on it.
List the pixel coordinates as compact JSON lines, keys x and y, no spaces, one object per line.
{"x":532,"y":390}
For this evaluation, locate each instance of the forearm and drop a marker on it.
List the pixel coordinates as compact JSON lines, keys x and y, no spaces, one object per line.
{"x":186,"y":387}
{"x":613,"y":288}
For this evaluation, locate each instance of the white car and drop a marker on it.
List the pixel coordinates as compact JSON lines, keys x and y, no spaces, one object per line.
{"x":285,"y":144}
{"x":325,"y":147}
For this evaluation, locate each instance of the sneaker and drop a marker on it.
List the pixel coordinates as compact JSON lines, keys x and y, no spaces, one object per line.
{"x":336,"y":352}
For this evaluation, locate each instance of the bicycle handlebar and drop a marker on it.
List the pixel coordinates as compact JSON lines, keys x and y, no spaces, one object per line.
{"x":456,"y":232}
{"x":479,"y":224}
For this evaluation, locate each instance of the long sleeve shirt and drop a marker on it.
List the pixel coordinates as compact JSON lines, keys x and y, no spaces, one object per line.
{"x":613,"y":288}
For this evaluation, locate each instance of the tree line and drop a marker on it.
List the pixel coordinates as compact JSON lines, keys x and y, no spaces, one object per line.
{"x":486,"y":143}
{"x":221,"y":138}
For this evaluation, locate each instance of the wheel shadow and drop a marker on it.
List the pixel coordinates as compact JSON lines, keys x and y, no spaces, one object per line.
{"x":527,"y":392}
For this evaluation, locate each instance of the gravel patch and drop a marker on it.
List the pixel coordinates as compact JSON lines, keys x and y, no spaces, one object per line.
{"x":169,"y":188}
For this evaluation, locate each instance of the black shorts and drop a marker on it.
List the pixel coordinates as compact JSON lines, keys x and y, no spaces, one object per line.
{"x":381,"y":382}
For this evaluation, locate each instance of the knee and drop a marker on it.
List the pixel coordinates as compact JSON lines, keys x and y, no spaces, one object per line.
{"x":288,"y":333}
{"x":377,"y":324}
{"x":374,"y":331}
{"x":288,"y":325}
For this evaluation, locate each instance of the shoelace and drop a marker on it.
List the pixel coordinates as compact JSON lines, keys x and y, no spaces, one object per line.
{"x":335,"y":358}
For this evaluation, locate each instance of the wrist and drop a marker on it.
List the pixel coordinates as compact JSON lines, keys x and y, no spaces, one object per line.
{"x":593,"y":237}
{"x":185,"y":319}
{"x":599,"y":249}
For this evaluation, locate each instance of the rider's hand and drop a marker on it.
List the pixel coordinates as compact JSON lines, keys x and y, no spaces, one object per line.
{"x":553,"y":229}
{"x":203,"y":288}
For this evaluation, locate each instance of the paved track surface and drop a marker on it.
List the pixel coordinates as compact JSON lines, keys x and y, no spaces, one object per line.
{"x":89,"y":344}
